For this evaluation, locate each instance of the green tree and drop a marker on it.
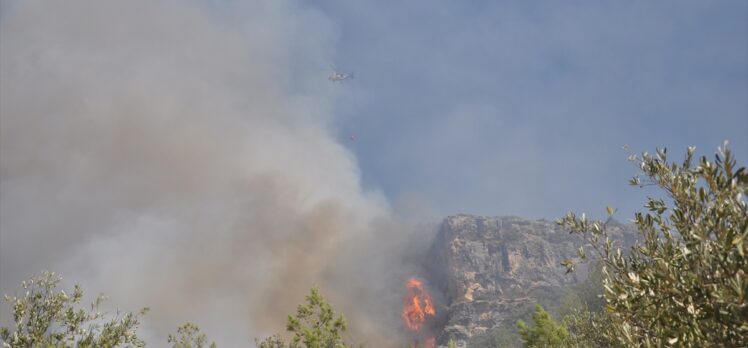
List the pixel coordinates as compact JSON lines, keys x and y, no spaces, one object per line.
{"x":45,"y":317}
{"x":189,"y":336}
{"x":588,"y":328}
{"x":315,"y":325}
{"x":545,"y":332}
{"x":684,"y":282}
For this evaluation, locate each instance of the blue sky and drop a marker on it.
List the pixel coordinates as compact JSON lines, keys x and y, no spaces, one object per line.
{"x":522,"y":108}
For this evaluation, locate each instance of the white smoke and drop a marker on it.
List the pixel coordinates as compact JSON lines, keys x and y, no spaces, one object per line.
{"x":179,"y":155}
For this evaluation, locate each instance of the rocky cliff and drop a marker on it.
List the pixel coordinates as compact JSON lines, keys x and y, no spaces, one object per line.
{"x":492,"y":270}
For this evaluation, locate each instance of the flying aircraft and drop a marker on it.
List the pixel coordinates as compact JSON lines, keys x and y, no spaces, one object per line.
{"x":338,"y":76}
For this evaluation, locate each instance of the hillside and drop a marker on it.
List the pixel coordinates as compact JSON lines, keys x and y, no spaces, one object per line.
{"x":491,"y":271}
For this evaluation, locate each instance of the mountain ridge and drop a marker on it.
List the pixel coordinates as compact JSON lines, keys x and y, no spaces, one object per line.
{"x":492,"y":270}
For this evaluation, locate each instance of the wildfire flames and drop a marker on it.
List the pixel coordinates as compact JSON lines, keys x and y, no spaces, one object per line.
{"x":418,"y":305}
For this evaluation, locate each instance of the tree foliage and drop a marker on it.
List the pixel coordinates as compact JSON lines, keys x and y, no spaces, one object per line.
{"x":45,"y":317}
{"x":545,"y":332}
{"x":589,"y":328}
{"x":189,"y":336}
{"x":684,"y":283}
{"x":315,"y":325}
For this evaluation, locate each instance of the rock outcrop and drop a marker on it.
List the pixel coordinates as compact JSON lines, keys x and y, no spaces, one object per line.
{"x":492,"y":270}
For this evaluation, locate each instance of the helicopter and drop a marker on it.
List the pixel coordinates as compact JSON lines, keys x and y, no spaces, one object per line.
{"x":337,"y":76}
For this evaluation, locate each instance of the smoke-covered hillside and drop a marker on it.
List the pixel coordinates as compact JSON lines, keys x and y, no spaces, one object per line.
{"x":492,"y":271}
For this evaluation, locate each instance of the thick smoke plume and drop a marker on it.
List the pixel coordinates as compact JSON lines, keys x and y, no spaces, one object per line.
{"x":180,"y":155}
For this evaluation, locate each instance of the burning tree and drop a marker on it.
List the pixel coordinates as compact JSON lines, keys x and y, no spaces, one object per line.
{"x":417,"y":308}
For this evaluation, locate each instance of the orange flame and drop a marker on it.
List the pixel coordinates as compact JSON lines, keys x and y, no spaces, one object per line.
{"x":417,"y":306}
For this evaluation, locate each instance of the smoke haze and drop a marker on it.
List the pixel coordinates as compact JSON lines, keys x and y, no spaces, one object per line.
{"x":191,"y":155}
{"x":180,"y":155}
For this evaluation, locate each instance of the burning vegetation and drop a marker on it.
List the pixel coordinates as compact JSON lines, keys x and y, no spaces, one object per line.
{"x":417,"y":308}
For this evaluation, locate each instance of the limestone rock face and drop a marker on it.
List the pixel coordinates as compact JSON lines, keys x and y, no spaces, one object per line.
{"x":491,"y":270}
